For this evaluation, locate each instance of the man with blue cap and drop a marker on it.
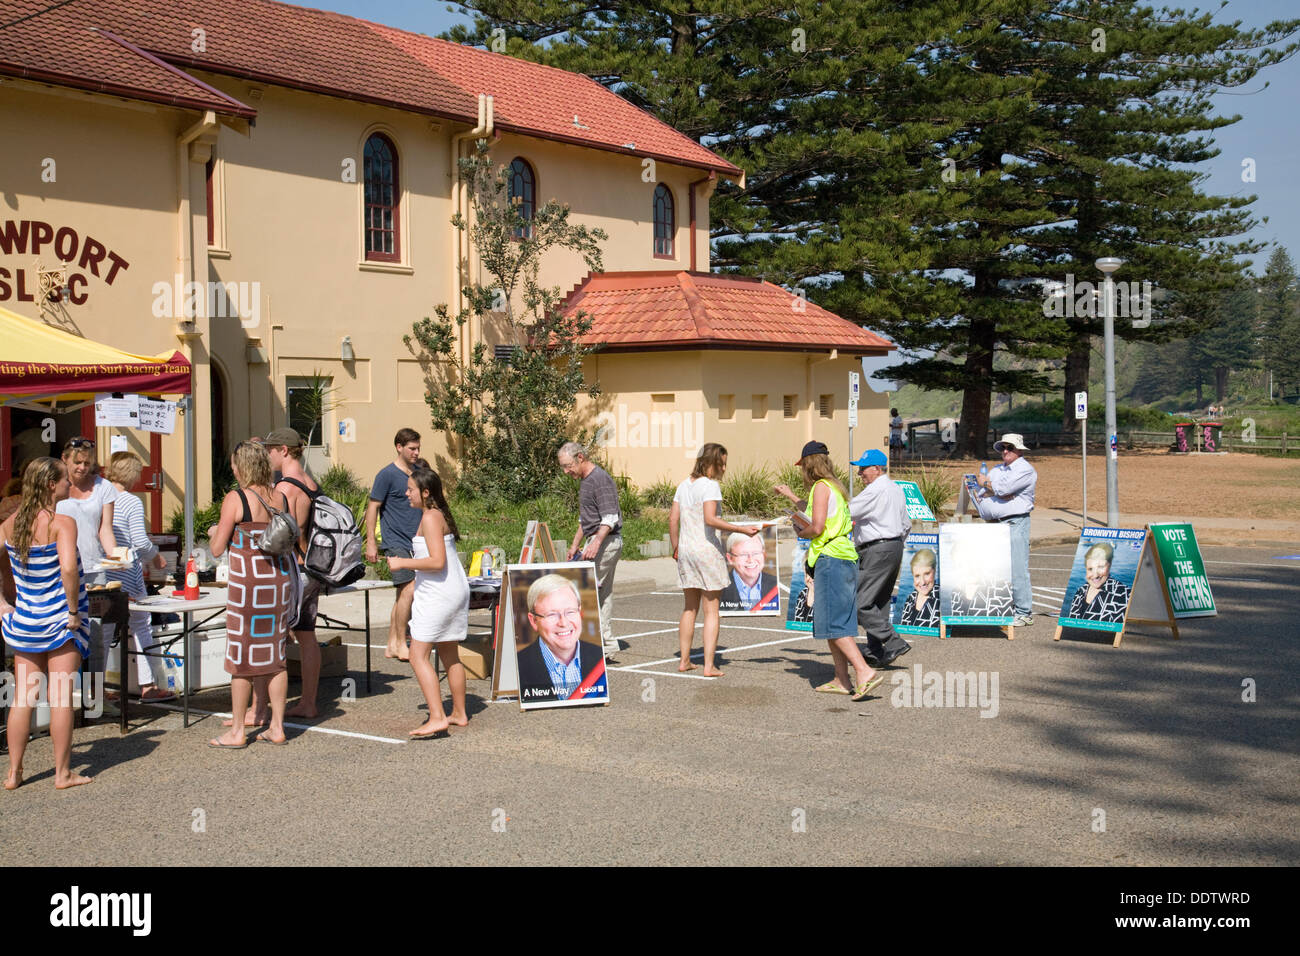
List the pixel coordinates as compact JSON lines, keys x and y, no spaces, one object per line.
{"x":880,"y":524}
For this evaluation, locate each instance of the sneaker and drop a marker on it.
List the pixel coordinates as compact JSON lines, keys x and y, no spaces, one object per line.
{"x":1023,"y":620}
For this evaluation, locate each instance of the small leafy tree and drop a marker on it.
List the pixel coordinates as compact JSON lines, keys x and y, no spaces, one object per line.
{"x":508,"y":415}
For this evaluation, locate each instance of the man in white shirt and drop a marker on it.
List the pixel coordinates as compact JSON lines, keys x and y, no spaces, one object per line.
{"x":880,"y":524}
{"x":1012,"y":486}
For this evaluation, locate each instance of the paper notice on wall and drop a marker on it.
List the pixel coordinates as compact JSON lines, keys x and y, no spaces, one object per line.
{"x":117,"y":410}
{"x":116,"y":443}
{"x":157,"y":416}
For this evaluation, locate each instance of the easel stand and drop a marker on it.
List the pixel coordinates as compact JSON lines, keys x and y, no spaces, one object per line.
{"x":1149,"y":602}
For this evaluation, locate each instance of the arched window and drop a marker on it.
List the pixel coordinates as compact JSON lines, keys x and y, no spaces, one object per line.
{"x":382,"y":198}
{"x":523,"y":193}
{"x":665,"y":222}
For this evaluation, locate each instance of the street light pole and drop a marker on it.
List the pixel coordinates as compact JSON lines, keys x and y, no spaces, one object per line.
{"x":1107,"y":266}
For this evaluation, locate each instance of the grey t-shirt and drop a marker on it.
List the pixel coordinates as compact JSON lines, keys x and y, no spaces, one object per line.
{"x":398,"y":521}
{"x":598,"y":496}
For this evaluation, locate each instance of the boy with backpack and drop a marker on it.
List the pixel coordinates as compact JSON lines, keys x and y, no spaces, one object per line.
{"x":284,"y":446}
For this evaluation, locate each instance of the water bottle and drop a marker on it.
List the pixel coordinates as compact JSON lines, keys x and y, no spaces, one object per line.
{"x":487,"y":564}
{"x":984,"y":468}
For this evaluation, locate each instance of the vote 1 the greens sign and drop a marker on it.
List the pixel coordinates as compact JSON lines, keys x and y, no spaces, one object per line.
{"x":917,"y":509}
{"x":1185,"y":581}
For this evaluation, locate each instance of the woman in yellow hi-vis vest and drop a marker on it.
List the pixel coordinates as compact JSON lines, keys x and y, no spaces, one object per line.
{"x":834,"y":561}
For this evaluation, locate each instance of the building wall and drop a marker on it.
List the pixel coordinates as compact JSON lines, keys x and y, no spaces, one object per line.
{"x":656,"y":409}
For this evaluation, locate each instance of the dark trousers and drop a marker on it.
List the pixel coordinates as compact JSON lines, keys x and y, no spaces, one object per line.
{"x":878,"y":565}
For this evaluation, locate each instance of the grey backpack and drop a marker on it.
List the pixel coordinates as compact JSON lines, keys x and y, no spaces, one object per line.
{"x":335,"y":556}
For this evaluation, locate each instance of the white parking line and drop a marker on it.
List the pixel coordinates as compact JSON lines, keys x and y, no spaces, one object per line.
{"x":730,"y":650}
{"x":640,"y":620}
{"x":319,"y":730}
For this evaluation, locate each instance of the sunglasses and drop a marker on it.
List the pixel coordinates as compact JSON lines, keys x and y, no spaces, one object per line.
{"x":79,"y":443}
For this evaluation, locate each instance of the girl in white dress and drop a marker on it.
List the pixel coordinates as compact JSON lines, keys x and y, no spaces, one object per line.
{"x":440,"y":603}
{"x":693,"y":526}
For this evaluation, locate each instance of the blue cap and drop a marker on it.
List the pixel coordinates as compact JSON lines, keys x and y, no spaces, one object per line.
{"x":873,"y":457}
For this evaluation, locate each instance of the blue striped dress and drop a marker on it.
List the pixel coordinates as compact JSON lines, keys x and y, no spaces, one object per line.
{"x":39,"y":621}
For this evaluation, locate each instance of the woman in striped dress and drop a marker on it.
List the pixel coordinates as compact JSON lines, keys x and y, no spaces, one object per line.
{"x":40,"y":571}
{"x":123,"y":471}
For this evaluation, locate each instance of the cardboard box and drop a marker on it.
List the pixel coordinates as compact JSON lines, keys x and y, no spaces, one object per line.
{"x":333,"y":660}
{"x":476,"y":655}
{"x":208,"y":653}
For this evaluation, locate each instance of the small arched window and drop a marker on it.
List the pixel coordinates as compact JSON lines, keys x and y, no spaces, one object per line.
{"x":382,"y":198}
{"x":665,"y":222}
{"x":523,"y":193}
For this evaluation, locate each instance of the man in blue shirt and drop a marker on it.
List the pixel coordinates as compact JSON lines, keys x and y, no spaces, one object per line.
{"x":880,"y":526}
{"x":400,"y":522}
{"x":1012,"y":486}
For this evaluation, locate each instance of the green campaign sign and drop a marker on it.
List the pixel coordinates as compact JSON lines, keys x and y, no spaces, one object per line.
{"x":917,"y":509}
{"x":1186,"y":582}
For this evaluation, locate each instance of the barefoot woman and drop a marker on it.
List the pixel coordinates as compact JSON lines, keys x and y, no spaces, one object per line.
{"x":40,"y":571}
{"x":693,"y":526}
{"x":440,"y":601}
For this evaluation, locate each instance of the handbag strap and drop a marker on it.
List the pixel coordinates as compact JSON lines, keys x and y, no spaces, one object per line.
{"x":270,"y":509}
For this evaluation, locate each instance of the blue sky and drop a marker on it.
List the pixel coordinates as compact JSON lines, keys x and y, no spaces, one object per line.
{"x":1268,"y":131}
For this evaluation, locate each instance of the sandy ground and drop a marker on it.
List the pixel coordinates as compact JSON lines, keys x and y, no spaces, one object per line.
{"x":1160,"y":482}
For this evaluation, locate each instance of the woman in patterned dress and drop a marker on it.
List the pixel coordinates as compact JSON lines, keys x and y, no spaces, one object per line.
{"x":263,"y":596}
{"x":693,"y":526}
{"x":1101,"y":598}
{"x":40,"y":572}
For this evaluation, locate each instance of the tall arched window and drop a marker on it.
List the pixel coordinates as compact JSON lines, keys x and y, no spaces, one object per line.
{"x":382,"y":198}
{"x":523,"y":193}
{"x":665,"y":222}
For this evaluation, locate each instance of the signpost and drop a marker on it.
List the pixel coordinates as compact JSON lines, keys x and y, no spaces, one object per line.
{"x":854,"y":387}
{"x":1081,"y":414}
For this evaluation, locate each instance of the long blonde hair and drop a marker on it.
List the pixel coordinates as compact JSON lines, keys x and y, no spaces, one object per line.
{"x":37,"y":497}
{"x":817,"y":468}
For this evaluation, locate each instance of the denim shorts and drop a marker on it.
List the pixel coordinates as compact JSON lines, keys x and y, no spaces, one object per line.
{"x":405,"y":575}
{"x":835,"y":598}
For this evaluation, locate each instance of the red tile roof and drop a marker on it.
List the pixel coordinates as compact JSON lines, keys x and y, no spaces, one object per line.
{"x":64,"y":47}
{"x":676,"y":310}
{"x":329,"y":53}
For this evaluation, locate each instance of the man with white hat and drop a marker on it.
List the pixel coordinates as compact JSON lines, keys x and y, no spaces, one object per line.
{"x":880,"y":524}
{"x":1012,"y":485}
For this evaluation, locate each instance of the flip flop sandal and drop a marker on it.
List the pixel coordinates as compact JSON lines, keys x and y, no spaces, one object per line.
{"x":267,"y":740}
{"x":220,"y":746}
{"x":831,"y":687}
{"x":860,"y":691}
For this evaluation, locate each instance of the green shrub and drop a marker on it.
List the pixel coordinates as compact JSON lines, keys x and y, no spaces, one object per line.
{"x":660,"y":494}
{"x":629,"y":499}
{"x":936,"y":486}
{"x":204,"y":518}
{"x":747,"y":490}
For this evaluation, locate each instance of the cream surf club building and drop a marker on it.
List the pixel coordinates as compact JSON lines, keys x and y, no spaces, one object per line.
{"x":269,"y":189}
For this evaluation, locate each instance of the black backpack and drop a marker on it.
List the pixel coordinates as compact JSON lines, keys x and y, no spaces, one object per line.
{"x":335,"y":555}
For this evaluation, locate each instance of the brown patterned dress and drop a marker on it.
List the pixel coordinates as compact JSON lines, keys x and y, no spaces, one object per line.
{"x":262,"y":603}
